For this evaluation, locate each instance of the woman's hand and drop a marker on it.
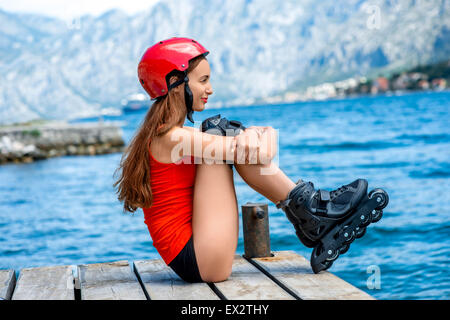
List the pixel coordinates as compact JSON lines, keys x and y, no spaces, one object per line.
{"x":256,"y":145}
{"x":269,"y":144}
{"x":247,"y":146}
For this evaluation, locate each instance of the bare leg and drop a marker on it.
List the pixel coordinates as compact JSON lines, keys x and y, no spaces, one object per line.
{"x":274,"y":186}
{"x":215,"y":221}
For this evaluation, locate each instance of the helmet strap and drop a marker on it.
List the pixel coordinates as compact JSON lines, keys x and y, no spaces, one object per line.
{"x":188,"y":98}
{"x":177,"y":83}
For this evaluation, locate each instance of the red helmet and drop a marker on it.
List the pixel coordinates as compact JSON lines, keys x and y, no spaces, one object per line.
{"x":163,"y":58}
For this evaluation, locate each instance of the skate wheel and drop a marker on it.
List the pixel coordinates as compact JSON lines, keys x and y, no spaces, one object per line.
{"x":348,"y":234}
{"x":332,"y":255}
{"x":322,"y":266}
{"x":317,"y":265}
{"x":344,"y":249}
{"x":366,"y":219}
{"x":377,"y":215}
{"x":381,"y":196}
{"x":360,"y":232}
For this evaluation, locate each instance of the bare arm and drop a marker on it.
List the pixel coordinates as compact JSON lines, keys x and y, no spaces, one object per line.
{"x":256,"y":145}
{"x":188,"y":141}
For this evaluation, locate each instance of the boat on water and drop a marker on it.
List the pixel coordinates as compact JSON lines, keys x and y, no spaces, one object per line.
{"x":135,"y":102}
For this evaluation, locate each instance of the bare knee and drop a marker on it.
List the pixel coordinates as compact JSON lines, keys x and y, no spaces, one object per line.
{"x":216,"y":266}
{"x":216,"y":275}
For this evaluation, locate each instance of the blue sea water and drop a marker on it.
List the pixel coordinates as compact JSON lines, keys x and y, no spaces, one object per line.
{"x":65,"y":211}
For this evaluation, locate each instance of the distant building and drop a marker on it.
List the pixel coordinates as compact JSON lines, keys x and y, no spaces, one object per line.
{"x":321,"y":92}
{"x":423,"y":84}
{"x":401,"y":82}
{"x":382,"y":84}
{"x":439,"y":84}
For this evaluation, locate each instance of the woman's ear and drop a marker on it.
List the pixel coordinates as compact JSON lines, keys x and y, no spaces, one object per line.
{"x":172,"y":80}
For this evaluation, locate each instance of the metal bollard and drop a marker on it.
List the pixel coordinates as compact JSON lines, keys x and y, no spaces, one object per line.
{"x":255,"y":220}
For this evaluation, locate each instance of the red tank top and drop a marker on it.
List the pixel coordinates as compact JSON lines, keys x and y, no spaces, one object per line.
{"x":169,"y":219}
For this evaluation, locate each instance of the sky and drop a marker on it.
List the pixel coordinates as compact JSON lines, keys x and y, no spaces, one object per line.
{"x":69,"y":9}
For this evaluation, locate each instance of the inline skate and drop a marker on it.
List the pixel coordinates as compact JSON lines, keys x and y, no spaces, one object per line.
{"x":330,"y":221}
{"x":222,"y":127}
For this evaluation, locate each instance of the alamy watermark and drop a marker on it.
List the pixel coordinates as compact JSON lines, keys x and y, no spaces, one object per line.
{"x":74,"y":24}
{"x":374,"y":280}
{"x":374,"y":19}
{"x":73,"y":12}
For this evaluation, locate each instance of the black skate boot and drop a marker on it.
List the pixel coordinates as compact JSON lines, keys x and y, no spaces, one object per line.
{"x":222,"y":127}
{"x":330,"y":221}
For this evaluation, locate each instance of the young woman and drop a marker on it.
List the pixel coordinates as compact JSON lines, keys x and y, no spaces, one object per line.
{"x":178,"y":174}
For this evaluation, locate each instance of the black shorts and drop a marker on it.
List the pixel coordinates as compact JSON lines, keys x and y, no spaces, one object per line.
{"x":185,"y":264}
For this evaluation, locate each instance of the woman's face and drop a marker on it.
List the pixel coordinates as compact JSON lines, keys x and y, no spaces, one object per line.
{"x":199,"y":84}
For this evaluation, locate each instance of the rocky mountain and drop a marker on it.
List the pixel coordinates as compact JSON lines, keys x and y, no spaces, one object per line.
{"x":53,"y":69}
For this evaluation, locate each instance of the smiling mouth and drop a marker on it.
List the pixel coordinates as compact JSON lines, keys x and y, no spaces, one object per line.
{"x":205,"y":100}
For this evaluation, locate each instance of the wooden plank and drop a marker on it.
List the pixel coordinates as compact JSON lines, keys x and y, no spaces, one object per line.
{"x":162,"y":283}
{"x":294,"y":271}
{"x":109,"y":281}
{"x":45,"y":283}
{"x":246,"y":282}
{"x":7,"y":283}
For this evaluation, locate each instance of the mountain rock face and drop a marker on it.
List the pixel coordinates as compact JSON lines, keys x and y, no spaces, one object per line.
{"x":57,"y":70}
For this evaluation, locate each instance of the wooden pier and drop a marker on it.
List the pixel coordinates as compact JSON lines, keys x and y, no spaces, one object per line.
{"x":284,"y":276}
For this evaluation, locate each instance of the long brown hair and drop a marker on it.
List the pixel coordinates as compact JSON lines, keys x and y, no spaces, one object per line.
{"x":133,"y":184}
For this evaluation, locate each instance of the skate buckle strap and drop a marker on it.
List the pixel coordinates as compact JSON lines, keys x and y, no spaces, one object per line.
{"x":283,"y":204}
{"x":324,"y":198}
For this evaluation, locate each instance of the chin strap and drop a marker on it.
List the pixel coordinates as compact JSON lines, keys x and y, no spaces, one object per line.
{"x":188,"y":98}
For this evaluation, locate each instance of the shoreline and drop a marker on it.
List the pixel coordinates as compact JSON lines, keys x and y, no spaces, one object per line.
{"x":25,"y":143}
